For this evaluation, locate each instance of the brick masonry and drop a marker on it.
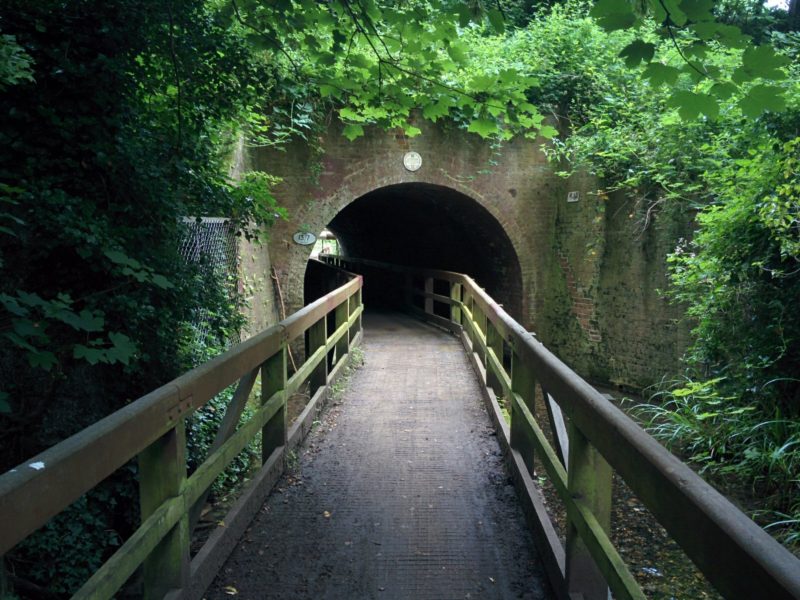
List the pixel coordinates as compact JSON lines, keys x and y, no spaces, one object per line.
{"x":589,"y":271}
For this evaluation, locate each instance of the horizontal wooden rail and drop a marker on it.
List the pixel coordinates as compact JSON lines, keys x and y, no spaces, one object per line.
{"x":735,"y":554}
{"x":152,"y":428}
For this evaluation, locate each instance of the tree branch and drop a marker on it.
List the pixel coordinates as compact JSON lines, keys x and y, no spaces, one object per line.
{"x":371,"y":24}
{"x":362,"y":31}
{"x":271,"y":38}
{"x":675,"y":41}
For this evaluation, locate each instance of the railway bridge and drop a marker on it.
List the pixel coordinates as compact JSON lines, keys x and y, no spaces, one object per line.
{"x":403,"y":491}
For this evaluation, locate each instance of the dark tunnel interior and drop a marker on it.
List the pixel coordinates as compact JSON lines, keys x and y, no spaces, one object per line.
{"x":431,"y":226}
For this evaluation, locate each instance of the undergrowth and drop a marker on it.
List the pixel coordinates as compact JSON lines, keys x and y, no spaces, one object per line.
{"x":736,"y":445}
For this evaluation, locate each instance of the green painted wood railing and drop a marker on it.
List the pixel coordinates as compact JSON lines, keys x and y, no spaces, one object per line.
{"x":153,"y":429}
{"x":590,"y":438}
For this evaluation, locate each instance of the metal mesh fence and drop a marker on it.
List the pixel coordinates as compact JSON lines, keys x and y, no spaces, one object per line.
{"x":210,"y":242}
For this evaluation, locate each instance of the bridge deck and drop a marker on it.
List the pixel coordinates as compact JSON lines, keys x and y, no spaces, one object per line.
{"x":399,"y":493}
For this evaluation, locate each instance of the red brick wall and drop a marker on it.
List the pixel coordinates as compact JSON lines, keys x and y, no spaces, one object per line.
{"x":587,"y":281}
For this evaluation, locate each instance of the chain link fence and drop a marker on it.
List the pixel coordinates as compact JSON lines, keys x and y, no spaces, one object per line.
{"x":210,"y":243}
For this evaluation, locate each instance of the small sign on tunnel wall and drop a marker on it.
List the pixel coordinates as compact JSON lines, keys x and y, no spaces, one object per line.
{"x":573,"y":196}
{"x":304,"y":238}
{"x":412,"y":161}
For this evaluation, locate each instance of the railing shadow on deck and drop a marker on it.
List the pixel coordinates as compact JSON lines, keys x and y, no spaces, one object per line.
{"x":591,"y":437}
{"x":152,"y":428}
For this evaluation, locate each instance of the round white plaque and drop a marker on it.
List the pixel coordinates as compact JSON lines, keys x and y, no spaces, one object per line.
{"x":304,"y":238}
{"x":412,"y":161}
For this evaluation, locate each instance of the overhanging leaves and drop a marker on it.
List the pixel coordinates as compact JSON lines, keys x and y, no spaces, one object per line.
{"x":636,"y":52}
{"x":352,"y":131}
{"x":691,"y":105}
{"x":762,"y":98}
{"x":484,"y":127}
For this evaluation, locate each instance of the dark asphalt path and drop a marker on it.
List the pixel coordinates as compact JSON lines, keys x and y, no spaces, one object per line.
{"x":400,"y":492}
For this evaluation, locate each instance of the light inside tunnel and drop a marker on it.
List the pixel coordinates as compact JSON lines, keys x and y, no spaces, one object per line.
{"x":326,"y":244}
{"x":432,"y":226}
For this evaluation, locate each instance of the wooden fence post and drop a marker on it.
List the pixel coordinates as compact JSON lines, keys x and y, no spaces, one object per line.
{"x":428,"y":290}
{"x":480,"y":325}
{"x":468,"y":315}
{"x":494,"y":344}
{"x":273,"y":380}
{"x":589,"y":482}
{"x":341,"y":314}
{"x":317,"y":336}
{"x":162,"y":471}
{"x":523,"y":385}
{"x":455,"y":309}
{"x":353,"y":303}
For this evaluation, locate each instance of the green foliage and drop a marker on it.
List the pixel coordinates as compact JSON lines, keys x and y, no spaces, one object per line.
{"x":734,"y":443}
{"x":387,"y":63}
{"x":255,"y":209}
{"x":201,"y":429}
{"x":115,"y":124}
{"x":378,"y":62}
{"x":661,"y":141}
{"x":692,"y":28}
{"x":75,"y":543}
{"x":568,"y":60}
{"x":724,"y":145}
{"x":740,"y":278}
{"x":15,"y":63}
{"x":106,"y":145}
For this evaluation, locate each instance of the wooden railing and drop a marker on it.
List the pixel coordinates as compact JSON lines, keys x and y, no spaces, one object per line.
{"x":590,"y":438}
{"x":152,"y":429}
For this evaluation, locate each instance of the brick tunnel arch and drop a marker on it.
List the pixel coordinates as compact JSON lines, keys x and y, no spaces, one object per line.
{"x":516,"y":196}
{"x":435,"y":226}
{"x":578,"y":260}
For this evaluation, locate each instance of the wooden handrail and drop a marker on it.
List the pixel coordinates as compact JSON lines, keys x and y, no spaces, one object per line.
{"x":152,"y":428}
{"x":738,"y":557}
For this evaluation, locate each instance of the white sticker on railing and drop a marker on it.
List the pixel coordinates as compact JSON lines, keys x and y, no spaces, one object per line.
{"x":37,"y":465}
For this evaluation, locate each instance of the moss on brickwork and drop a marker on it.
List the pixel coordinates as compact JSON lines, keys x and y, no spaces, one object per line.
{"x":262,"y":302}
{"x":611,"y":256}
{"x":589,"y":269}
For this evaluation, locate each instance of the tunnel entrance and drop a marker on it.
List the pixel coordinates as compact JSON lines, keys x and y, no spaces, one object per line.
{"x":425,"y":225}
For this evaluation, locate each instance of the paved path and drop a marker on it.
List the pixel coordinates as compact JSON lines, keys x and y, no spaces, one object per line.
{"x":399,"y":493}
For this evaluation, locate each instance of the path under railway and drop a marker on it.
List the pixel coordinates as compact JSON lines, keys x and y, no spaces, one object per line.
{"x":403,"y":489}
{"x":399,"y":492}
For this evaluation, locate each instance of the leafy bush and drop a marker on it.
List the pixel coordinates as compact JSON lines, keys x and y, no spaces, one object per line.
{"x":123,"y":128}
{"x":740,"y":279}
{"x":735,"y":413}
{"x":75,"y":543}
{"x":201,"y":429}
{"x":733,"y":443}
{"x":115,"y":123}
